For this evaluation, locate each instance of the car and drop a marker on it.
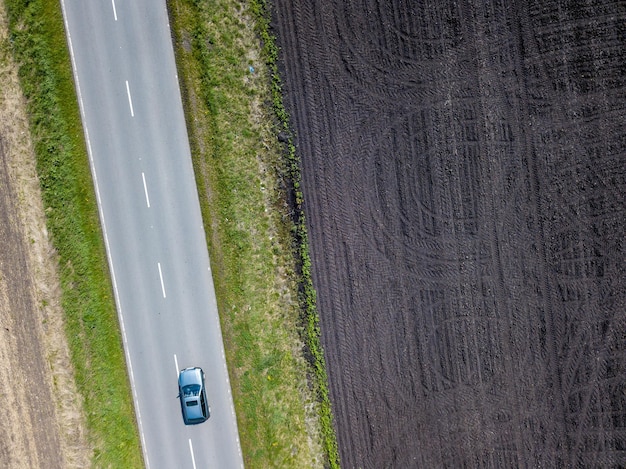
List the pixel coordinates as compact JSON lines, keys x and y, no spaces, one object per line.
{"x":192,"y":394}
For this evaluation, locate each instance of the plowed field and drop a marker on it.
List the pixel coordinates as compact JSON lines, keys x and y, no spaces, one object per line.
{"x":464,"y":170}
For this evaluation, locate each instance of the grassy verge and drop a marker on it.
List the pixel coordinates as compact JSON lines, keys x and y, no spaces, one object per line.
{"x":257,"y":241}
{"x":39,"y":46}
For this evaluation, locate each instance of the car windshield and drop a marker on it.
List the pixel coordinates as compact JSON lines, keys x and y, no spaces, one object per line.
{"x":191,"y":390}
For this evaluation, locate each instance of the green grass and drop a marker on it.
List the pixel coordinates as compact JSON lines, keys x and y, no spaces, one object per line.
{"x":258,"y":242}
{"x":38,"y":43}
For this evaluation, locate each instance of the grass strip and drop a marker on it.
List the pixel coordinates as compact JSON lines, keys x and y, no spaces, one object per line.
{"x":252,"y":206}
{"x":38,"y":43}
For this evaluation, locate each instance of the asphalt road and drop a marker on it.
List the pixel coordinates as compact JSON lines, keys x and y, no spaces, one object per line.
{"x":132,"y":112}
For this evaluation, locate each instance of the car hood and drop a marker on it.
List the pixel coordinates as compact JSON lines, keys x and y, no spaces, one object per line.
{"x":190,"y":376}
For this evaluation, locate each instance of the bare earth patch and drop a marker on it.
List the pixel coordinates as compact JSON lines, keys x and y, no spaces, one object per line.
{"x":42,"y":423}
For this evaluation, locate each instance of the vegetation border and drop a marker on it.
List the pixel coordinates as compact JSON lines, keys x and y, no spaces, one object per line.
{"x":310,"y":318}
{"x":38,"y":43}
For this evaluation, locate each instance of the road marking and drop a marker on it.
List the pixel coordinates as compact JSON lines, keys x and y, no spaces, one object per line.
{"x":193,"y":459}
{"x":176,"y":361}
{"x":130,"y":100}
{"x":145,"y":188}
{"x":162,"y":283}
{"x":114,"y":11}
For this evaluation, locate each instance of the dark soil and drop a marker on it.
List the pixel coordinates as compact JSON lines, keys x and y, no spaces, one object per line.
{"x":464,"y":170}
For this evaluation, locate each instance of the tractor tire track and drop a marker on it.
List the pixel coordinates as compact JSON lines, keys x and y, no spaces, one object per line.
{"x":463,"y":169}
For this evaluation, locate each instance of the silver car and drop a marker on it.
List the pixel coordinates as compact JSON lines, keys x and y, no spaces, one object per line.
{"x":192,"y":394}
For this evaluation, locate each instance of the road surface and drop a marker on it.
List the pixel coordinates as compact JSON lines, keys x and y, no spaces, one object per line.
{"x":132,"y":113}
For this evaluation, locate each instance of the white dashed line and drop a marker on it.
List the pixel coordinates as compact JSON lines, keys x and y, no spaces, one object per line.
{"x":162,"y":283}
{"x":193,"y":459}
{"x":114,"y":11}
{"x":176,"y":362}
{"x":130,"y":100}
{"x":145,"y":189}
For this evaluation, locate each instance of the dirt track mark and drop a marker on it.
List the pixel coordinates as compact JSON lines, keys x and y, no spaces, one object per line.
{"x":583,"y":164}
{"x":463,"y":169}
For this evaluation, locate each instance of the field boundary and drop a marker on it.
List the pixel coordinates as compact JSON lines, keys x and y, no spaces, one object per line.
{"x":310,"y":317}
